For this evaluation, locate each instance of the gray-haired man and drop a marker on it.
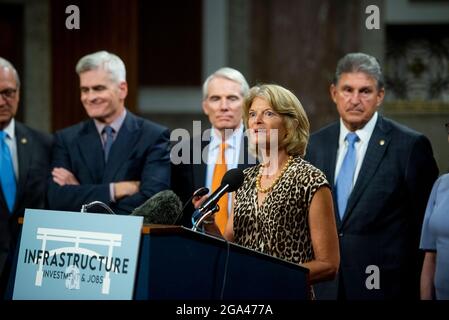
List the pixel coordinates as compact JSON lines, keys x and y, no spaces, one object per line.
{"x":382,"y":173}
{"x":114,"y":157}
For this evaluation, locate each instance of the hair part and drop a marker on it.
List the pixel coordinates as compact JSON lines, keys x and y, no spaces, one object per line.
{"x":229,"y":74}
{"x":294,"y":117}
{"x":360,"y":62}
{"x":104,"y":60}
{"x":8,"y":65}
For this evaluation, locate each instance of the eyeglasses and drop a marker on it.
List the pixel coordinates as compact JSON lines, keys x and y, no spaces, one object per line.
{"x":8,"y":93}
{"x":447,"y":127}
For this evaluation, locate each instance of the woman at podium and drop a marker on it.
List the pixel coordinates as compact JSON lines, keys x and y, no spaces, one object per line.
{"x":284,"y":207}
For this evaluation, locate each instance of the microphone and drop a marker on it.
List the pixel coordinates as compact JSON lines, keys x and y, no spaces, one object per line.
{"x":232,"y":180}
{"x":162,"y":208}
{"x":198,"y":193}
{"x":87,"y":206}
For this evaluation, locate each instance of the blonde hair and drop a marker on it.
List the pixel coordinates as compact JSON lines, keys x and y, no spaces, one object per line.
{"x":294,"y":117}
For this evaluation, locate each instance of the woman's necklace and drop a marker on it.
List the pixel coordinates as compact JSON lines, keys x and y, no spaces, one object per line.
{"x":270,"y":187}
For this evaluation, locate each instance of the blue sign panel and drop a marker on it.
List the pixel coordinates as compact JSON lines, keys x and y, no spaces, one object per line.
{"x":73,"y":255}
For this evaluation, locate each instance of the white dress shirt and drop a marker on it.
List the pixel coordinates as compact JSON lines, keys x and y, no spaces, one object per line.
{"x":361,"y":146}
{"x":232,"y":154}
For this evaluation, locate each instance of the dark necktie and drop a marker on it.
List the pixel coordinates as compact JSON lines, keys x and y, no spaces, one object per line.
{"x":346,"y":174}
{"x":109,"y":141}
{"x":7,"y":178}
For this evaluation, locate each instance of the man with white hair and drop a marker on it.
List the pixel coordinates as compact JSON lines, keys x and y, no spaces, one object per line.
{"x":24,"y":166}
{"x":114,"y":157}
{"x":223,"y":146}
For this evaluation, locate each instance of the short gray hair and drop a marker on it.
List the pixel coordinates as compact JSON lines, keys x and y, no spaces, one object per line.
{"x":230,"y":74}
{"x":8,"y":65}
{"x":109,"y":62}
{"x":360,"y":62}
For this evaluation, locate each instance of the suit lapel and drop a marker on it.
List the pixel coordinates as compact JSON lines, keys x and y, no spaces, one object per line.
{"x":376,"y":149}
{"x":331,"y":159}
{"x":24,"y":144}
{"x":200,"y":170}
{"x":329,"y":162}
{"x":126,"y":140}
{"x":91,"y":150}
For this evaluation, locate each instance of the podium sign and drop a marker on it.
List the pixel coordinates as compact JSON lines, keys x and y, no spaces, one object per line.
{"x":72,"y":255}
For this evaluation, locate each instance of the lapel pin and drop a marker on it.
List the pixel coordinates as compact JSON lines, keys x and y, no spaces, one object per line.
{"x":24,"y":141}
{"x":382,"y":142}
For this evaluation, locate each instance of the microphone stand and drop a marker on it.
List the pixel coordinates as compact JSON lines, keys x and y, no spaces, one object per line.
{"x":204,"y":216}
{"x":84,"y":207}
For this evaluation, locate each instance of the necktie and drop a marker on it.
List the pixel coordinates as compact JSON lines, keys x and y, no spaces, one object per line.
{"x":108,"y":143}
{"x":7,"y":178}
{"x":221,"y":217}
{"x":346,"y":174}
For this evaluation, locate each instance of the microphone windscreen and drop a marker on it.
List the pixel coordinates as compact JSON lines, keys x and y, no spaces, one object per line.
{"x":162,"y":208}
{"x":234,"y":178}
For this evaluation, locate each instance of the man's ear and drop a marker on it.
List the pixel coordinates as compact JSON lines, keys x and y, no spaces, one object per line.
{"x":333,"y":92}
{"x":205,"y":108}
{"x":380,"y":97}
{"x":123,"y":90}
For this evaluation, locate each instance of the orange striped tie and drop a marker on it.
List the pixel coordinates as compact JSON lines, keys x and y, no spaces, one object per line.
{"x":221,"y":217}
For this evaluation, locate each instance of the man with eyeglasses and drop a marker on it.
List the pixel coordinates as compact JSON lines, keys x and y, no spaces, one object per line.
{"x":24,"y":167}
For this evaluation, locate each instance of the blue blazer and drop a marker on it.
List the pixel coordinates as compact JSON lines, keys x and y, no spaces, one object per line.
{"x":382,"y":222}
{"x":139,"y":152}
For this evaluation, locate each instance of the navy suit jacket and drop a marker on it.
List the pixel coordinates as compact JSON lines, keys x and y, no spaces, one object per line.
{"x":140,"y":152}
{"x":33,"y":153}
{"x":382,"y":222}
{"x":189,"y":177}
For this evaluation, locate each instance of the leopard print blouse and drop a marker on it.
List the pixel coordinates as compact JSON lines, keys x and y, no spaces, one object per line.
{"x":279,"y":227}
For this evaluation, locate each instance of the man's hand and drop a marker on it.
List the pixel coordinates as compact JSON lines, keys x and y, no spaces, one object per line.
{"x":125,"y":188}
{"x":197,"y":201}
{"x":64,"y":177}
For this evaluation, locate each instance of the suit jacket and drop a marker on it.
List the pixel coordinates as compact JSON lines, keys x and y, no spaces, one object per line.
{"x":139,"y":152}
{"x":189,"y":176}
{"x":33,"y":152}
{"x":382,"y":222}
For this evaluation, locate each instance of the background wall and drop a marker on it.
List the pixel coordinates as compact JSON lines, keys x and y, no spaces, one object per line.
{"x":169,"y":52}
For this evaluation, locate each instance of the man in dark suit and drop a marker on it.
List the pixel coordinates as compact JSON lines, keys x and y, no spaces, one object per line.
{"x":114,"y":157}
{"x":194,"y":162}
{"x":382,"y":173}
{"x":25,"y":160}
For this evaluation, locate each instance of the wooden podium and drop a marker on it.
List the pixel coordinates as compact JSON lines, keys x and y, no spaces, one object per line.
{"x":178,"y":263}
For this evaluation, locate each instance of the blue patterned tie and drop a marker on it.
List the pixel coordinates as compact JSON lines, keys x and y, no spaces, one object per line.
{"x":109,"y":140}
{"x":346,"y":174}
{"x":7,"y":178}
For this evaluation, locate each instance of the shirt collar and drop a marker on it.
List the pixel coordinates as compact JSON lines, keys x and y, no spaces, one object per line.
{"x":231,"y":141}
{"x":364,"y":133}
{"x":116,"y":124}
{"x":9,"y":130}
